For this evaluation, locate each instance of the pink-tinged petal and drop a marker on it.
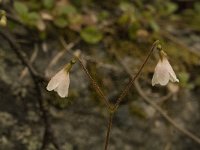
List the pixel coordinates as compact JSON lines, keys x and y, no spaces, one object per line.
{"x":163,"y":72}
{"x":63,"y":86}
{"x":173,"y":78}
{"x":55,"y":80}
{"x":161,"y":75}
{"x":172,"y":74}
{"x":154,"y":80}
{"x":163,"y":80}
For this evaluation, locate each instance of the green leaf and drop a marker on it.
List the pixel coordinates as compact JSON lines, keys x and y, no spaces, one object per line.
{"x":20,"y":8}
{"x":126,"y":7}
{"x":48,"y":4}
{"x":33,"y":17}
{"x":124,"y":19}
{"x":184,"y":78}
{"x":171,"y":7}
{"x":61,"y":22}
{"x":75,"y":19}
{"x":66,"y":10}
{"x":91,"y":35}
{"x":30,"y":18}
{"x":103,"y":15}
{"x":154,"y":26}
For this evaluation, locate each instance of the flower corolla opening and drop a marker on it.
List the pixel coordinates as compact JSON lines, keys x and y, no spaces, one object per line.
{"x":163,"y":71}
{"x":60,"y":81}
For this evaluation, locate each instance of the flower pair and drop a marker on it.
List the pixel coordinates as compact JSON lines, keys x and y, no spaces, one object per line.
{"x":162,"y":75}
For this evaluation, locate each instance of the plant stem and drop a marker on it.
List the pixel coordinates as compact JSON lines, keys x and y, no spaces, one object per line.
{"x":131,"y":82}
{"x":108,"y":130}
{"x":95,"y":85}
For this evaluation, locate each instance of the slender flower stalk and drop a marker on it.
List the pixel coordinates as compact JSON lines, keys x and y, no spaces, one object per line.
{"x":163,"y":72}
{"x":131,"y":82}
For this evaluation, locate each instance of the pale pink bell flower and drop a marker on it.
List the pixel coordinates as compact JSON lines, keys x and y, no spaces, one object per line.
{"x":60,"y":82}
{"x":163,"y":71}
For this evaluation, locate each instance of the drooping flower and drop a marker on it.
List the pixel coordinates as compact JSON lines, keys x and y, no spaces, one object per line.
{"x":163,"y":71}
{"x":60,"y":82}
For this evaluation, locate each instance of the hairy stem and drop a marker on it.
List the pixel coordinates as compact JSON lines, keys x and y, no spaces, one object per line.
{"x":108,"y":130}
{"x":95,"y":85}
{"x":131,"y":82}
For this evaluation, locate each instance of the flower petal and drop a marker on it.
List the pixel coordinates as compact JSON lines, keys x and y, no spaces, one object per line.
{"x":154,"y":80}
{"x":173,"y":78}
{"x":63,"y":86}
{"x":172,"y":74}
{"x":161,"y":75}
{"x":55,"y":80}
{"x":163,"y":72}
{"x":161,"y":78}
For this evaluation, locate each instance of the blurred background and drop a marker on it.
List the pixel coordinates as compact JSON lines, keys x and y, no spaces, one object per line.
{"x":114,"y":37}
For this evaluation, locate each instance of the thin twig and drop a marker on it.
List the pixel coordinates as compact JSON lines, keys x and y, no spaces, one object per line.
{"x":5,"y":34}
{"x":179,"y":42}
{"x":131,"y":82}
{"x":99,"y":64}
{"x":32,"y":58}
{"x":164,"y":114}
{"x":48,"y":133}
{"x":53,"y":61}
{"x":36,"y":79}
{"x":108,"y":130}
{"x":60,"y":54}
{"x":164,"y":98}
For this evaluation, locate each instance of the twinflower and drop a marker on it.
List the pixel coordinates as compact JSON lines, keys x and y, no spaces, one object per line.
{"x":60,"y":81}
{"x":163,"y":71}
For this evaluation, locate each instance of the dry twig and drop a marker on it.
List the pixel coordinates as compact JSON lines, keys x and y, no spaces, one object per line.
{"x":164,"y":114}
{"x":49,"y":134}
{"x":33,"y":57}
{"x":178,"y":42}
